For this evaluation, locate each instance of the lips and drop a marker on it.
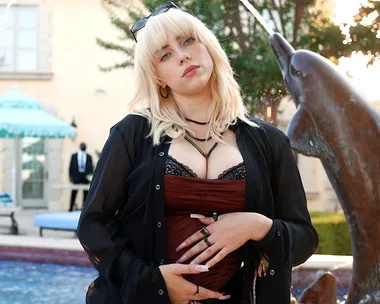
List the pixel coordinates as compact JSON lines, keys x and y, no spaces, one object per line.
{"x":189,"y":69}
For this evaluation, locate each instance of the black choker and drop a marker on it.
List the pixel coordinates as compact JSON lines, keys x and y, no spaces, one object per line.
{"x":197,"y":122}
{"x":199,"y":139}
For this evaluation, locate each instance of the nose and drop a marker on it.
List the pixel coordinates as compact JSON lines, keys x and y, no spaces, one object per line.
{"x":184,"y":56}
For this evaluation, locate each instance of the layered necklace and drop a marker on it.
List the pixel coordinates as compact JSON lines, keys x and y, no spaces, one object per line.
{"x":198,"y":123}
{"x":188,"y":136}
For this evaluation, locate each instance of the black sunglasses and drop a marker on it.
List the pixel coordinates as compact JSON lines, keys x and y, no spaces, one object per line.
{"x":141,"y":23}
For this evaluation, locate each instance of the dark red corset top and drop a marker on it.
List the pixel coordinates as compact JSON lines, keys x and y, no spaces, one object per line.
{"x":186,"y":194}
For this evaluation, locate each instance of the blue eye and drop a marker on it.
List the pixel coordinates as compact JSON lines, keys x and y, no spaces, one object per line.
{"x":188,"y":41}
{"x":166,"y":56}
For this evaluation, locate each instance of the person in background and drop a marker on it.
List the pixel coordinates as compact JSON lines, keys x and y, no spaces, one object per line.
{"x":80,"y":167}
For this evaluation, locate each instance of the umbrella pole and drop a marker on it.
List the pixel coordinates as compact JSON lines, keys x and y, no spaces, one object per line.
{"x":15,"y":165}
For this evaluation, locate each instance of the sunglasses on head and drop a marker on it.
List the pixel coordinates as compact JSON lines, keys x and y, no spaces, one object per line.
{"x":158,"y":10}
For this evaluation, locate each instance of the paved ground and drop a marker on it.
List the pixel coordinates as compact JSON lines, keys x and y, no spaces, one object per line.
{"x":26,"y":227}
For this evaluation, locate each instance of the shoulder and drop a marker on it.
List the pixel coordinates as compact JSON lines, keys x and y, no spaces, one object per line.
{"x":271,"y":132}
{"x":134,"y":122}
{"x":130,"y":130}
{"x":269,"y":137}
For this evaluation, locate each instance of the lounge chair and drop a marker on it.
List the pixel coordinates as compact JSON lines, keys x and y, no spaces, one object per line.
{"x":67,"y":221}
{"x":8,"y":209}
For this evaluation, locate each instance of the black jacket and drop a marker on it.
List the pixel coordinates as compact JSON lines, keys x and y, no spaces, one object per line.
{"x":74,"y":173}
{"x":122,"y":227}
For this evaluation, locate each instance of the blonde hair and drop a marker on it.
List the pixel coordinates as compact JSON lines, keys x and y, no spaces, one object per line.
{"x":164,"y":114}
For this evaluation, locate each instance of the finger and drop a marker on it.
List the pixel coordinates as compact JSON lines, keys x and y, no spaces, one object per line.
{"x":210,"y":294}
{"x":206,"y":254}
{"x":207,"y":220}
{"x":259,"y":270}
{"x":218,"y":257}
{"x":180,"y":269}
{"x":201,"y":246}
{"x":196,"y":237}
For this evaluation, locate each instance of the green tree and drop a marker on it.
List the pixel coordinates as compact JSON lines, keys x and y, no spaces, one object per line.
{"x":362,"y":34}
{"x":365,"y":34}
{"x":300,"y":21}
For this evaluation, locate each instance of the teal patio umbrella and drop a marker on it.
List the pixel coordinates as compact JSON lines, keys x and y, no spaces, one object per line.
{"x":22,"y":116}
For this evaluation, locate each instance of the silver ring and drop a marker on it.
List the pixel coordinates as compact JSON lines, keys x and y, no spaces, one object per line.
{"x":205,"y":232}
{"x":197,"y":291}
{"x":207,"y":242}
{"x":215,"y":216}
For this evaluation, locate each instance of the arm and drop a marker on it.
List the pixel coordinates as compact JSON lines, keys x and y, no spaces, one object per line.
{"x":109,"y":253}
{"x":292,"y":238}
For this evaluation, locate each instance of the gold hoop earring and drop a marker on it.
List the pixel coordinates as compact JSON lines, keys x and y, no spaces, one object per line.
{"x":162,"y":95}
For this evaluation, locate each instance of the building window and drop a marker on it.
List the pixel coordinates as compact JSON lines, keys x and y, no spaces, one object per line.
{"x":19,"y":40}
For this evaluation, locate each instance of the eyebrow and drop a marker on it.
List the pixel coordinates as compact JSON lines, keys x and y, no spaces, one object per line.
{"x":177,"y":38}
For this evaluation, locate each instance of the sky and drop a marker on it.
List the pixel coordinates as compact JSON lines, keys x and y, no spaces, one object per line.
{"x":366,"y":80}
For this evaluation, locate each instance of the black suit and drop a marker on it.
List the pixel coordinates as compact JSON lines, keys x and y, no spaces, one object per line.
{"x":78,"y":177}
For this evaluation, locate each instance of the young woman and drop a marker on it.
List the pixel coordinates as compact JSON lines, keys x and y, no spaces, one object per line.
{"x":192,"y":199}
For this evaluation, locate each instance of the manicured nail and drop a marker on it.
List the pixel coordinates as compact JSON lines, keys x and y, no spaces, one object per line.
{"x":182,"y":259}
{"x":226,"y":297}
{"x":183,"y":245}
{"x":198,"y":216}
{"x":201,"y":268}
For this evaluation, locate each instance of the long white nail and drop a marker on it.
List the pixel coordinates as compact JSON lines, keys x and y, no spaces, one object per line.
{"x":197,"y":216}
{"x":201,"y":268}
{"x":225,"y":297}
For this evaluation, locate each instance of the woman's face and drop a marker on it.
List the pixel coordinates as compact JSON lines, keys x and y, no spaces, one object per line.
{"x":184,"y":65}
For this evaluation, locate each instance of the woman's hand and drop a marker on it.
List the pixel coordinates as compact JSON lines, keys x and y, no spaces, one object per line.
{"x":230,"y":232}
{"x":182,"y":291}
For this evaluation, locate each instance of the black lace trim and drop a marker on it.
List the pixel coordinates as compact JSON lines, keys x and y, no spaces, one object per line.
{"x":174,"y":167}
{"x":234,"y":173}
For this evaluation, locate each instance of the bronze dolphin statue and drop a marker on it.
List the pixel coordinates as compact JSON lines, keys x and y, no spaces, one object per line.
{"x":334,"y":123}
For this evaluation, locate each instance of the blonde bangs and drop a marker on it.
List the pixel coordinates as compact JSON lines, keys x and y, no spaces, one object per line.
{"x":164,"y":114}
{"x":155,"y":33}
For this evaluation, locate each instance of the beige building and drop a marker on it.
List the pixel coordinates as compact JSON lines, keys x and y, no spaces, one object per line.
{"x":48,"y":50}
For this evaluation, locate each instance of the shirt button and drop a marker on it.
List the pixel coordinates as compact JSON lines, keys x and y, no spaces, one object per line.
{"x":159,"y":225}
{"x":161,"y":154}
{"x":279,"y":233}
{"x":160,"y":292}
{"x":162,"y":261}
{"x":158,"y":187}
{"x":272,"y":272}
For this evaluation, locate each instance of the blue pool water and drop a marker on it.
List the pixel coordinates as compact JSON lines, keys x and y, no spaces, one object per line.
{"x":341,"y":293}
{"x":30,"y":283}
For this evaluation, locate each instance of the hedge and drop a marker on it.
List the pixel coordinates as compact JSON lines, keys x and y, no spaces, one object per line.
{"x":332,"y":228}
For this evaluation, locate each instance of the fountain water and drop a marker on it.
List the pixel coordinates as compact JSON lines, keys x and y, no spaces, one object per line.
{"x":257,"y":15}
